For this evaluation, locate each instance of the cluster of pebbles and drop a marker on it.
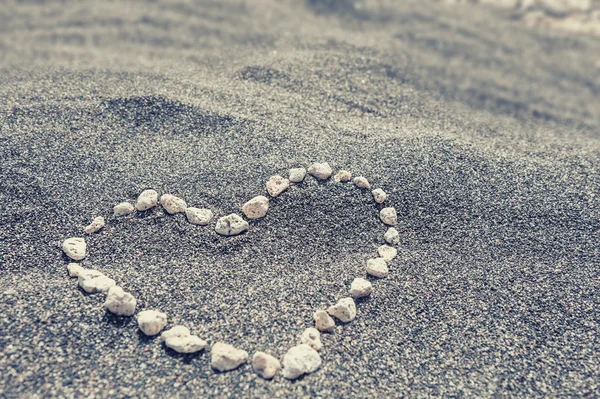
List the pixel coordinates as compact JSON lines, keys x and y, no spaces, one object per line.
{"x":301,"y":359}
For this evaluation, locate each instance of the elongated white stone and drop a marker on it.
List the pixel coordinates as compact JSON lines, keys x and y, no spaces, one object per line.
{"x":122,"y":209}
{"x":361,"y":182}
{"x":74,"y":269}
{"x":265,"y":365}
{"x":151,"y":322}
{"x":321,"y":171}
{"x":379,"y":195}
{"x":391,"y":236}
{"x":199,"y":216}
{"x":323,"y":322}
{"x":180,"y":340}
{"x":276,"y":185}
{"x":297,"y":175}
{"x":74,"y":248}
{"x":360,"y":288}
{"x":146,"y":200}
{"x":256,"y":208}
{"x":377,"y":268}
{"x":225,"y":357}
{"x":300,"y":360}
{"x":172,"y":204}
{"x":388,"y":216}
{"x":342,"y":176}
{"x":344,"y":310}
{"x":120,"y":302}
{"x":231,"y":225}
{"x":93,"y":281}
{"x":312,"y":337}
{"x":386,"y":252}
{"x":96,"y":225}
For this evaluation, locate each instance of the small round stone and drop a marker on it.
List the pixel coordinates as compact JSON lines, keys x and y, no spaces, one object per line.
{"x":256,"y":208}
{"x":93,"y":281}
{"x":180,"y":340}
{"x":225,"y":357}
{"x":300,"y":360}
{"x":377,"y":268}
{"x":172,"y":204}
{"x":379,"y":195}
{"x":297,"y":175}
{"x":276,"y":185}
{"x":120,"y":302}
{"x":122,"y":209}
{"x":391,"y":236}
{"x":342,"y":176}
{"x":323,"y":322}
{"x":200,"y":216}
{"x":388,"y":216}
{"x":74,"y":248}
{"x":321,"y":171}
{"x":75,"y":269}
{"x":146,"y":200}
{"x":362,"y":182}
{"x":312,"y":337}
{"x":96,"y":225}
{"x":265,"y":365}
{"x":151,"y":322}
{"x":360,"y":288}
{"x":231,"y":225}
{"x":386,"y":252}
{"x":344,"y":310}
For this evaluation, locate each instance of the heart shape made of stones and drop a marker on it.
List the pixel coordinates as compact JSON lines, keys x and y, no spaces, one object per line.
{"x":298,"y":360}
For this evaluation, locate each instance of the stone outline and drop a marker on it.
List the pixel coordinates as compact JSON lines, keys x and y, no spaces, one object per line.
{"x":361,"y":183}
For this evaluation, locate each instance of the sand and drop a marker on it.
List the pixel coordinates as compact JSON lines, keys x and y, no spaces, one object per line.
{"x":483,"y":133}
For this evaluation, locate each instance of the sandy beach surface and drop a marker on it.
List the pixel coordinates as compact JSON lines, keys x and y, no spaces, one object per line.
{"x":483,"y":131}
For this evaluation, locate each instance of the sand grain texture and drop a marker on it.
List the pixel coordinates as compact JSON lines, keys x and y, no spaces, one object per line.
{"x":483,"y":133}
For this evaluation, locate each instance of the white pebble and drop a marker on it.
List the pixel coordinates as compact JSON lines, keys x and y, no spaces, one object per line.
{"x":386,"y":252}
{"x":323,"y":322}
{"x":342,"y":176}
{"x":361,"y":182}
{"x":151,"y":322}
{"x":391,"y":236}
{"x":146,"y":200}
{"x":300,"y":360}
{"x":388,"y":216}
{"x":231,"y":225}
{"x":379,"y":195}
{"x":122,"y":209}
{"x":276,"y":185}
{"x":344,"y":310}
{"x":74,"y":269}
{"x":93,"y":281}
{"x":297,"y":175}
{"x":96,"y":225}
{"x":172,"y":204}
{"x":256,"y":208}
{"x":321,"y":171}
{"x":312,"y":337}
{"x":180,"y":340}
{"x":74,"y":248}
{"x":200,"y":216}
{"x":265,"y":365}
{"x":225,"y":357}
{"x":120,"y":302}
{"x":377,"y":267}
{"x":360,"y":288}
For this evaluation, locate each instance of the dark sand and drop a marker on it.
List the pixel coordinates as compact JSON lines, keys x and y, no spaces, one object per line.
{"x":485,"y":134}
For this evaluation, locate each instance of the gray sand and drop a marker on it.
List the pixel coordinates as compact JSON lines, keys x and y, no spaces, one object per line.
{"x":484,"y":134}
